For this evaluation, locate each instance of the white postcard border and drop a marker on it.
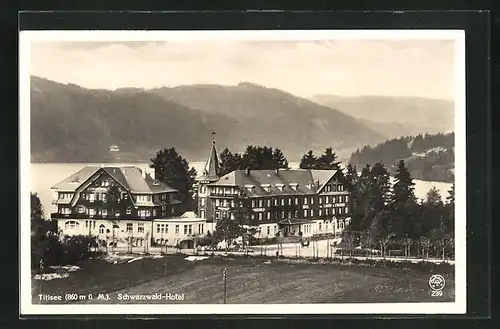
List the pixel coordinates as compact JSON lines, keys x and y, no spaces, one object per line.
{"x":457,"y":307}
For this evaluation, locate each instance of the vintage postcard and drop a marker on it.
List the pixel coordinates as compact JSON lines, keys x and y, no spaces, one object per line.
{"x":243,"y":172}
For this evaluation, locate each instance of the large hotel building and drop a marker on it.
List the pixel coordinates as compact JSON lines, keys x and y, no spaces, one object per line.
{"x":120,"y":203}
{"x":288,"y":201}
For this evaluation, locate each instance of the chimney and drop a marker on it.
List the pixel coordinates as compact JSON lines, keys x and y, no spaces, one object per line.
{"x":248,"y":171}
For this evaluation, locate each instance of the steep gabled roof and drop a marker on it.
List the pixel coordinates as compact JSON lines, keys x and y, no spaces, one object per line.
{"x":71,"y":183}
{"x":130,"y":178}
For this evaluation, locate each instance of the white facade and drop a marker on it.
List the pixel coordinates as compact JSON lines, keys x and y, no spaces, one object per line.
{"x":107,"y":230}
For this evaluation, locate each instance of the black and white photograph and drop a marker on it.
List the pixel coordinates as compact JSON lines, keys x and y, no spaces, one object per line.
{"x":233,"y":172}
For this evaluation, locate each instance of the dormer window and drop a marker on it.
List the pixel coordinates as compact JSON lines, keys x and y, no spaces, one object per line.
{"x":266,"y":187}
{"x":250,"y":188}
{"x":294,"y":186}
{"x":280,"y":187}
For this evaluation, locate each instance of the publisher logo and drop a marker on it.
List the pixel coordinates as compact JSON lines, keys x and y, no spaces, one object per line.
{"x":437,"y":282}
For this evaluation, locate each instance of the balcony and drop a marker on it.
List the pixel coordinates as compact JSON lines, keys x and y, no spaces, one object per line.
{"x":109,"y":217}
{"x":224,"y":194}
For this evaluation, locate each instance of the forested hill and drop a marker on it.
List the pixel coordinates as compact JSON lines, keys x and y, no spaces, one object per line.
{"x":428,"y":157}
{"x":74,"y":124}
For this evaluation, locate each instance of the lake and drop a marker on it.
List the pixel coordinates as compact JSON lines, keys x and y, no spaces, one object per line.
{"x":46,"y":175}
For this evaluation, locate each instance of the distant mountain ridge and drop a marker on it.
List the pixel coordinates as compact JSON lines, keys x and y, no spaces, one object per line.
{"x":73,"y":124}
{"x":395,"y":116}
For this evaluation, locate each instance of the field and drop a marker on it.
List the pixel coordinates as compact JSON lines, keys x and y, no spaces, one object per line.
{"x":249,"y":281}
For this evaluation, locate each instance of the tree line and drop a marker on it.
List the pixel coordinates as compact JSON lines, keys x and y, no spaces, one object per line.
{"x":390,"y":216}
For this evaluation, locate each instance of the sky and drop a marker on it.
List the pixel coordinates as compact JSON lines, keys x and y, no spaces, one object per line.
{"x":421,"y":68}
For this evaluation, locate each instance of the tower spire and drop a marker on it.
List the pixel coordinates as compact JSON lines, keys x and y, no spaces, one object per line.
{"x":211,"y":169}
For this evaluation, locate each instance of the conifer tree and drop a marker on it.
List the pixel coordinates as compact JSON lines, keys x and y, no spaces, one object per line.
{"x":360,"y":209}
{"x":229,"y":162}
{"x":352,"y":175}
{"x":377,"y":195}
{"x":280,"y":162}
{"x":449,"y":218}
{"x":406,"y":216}
{"x":308,"y":161}
{"x":172,"y":169}
{"x":404,"y":188}
{"x":327,"y":161}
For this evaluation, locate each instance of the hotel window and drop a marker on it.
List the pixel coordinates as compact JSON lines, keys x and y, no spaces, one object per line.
{"x":91,"y":197}
{"x":320,"y":226}
{"x":217,"y":202}
{"x":252,"y":216}
{"x":172,"y":210}
{"x":202,"y":213}
{"x":93,"y":224}
{"x":334,"y":188}
{"x":320,"y":200}
{"x":311,"y":212}
{"x":104,"y":212}
{"x":101,"y":229}
{"x":282,"y":201}
{"x":185,"y":229}
{"x":202,"y":189}
{"x":190,"y":229}
{"x":320,"y":212}
{"x":81,"y":210}
{"x":217,"y":215}
{"x":91,"y":212}
{"x":268,"y":230}
{"x":296,"y":201}
{"x":346,"y":210}
{"x":157,"y":228}
{"x":296,"y":214}
{"x":275,"y":229}
{"x":140,"y":228}
{"x":305,"y":200}
{"x":328,"y":188}
{"x":202,"y":201}
{"x":305,"y":212}
{"x":268,"y":216}
{"x":327,"y":199}
{"x":289,"y":201}
{"x":71,"y":224}
{"x":312,"y":200}
{"x":86,"y":224}
{"x":341,"y":188}
{"x":334,"y":199}
{"x":130,"y":227}
{"x":282,"y":214}
{"x":261,"y":203}
{"x":269,"y":202}
{"x":253,"y":204}
{"x":176,"y":229}
{"x":326,"y":226}
{"x":261,"y":215}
